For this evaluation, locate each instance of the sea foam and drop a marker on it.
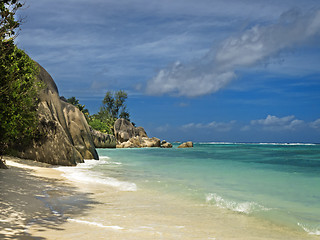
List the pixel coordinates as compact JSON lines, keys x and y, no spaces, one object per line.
{"x":82,"y":173}
{"x":95,"y":224}
{"x":311,"y":231}
{"x":241,"y":207}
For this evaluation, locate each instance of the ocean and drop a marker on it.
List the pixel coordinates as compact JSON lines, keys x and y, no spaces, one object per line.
{"x":274,"y":185}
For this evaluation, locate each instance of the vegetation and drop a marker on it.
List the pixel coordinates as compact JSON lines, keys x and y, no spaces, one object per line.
{"x":81,"y":107}
{"x":18,"y":89}
{"x":113,"y":107}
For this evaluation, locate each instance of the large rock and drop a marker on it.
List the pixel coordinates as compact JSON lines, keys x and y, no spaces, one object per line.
{"x":68,"y":139}
{"x":140,"y":142}
{"x":102,"y":140}
{"x":124,"y":130}
{"x":165,"y":144}
{"x":186,"y":145}
{"x":128,"y":136}
{"x":139,"y":131}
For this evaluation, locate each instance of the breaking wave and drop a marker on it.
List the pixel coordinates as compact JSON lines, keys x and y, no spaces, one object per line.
{"x":241,"y":207}
{"x":82,"y":173}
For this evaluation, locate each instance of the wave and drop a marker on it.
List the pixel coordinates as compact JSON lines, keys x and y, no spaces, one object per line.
{"x":241,"y":207}
{"x":95,"y":224}
{"x":82,"y":173}
{"x":217,"y":143}
{"x":92,"y":163}
{"x":311,"y":231}
{"x":289,"y":144}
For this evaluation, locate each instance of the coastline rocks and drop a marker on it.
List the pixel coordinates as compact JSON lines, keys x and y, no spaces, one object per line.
{"x":124,"y":130}
{"x":140,"y":142}
{"x":139,"y":131}
{"x":67,"y":139}
{"x":102,"y":140}
{"x":186,"y":145}
{"x":128,"y":136}
{"x":165,"y":144}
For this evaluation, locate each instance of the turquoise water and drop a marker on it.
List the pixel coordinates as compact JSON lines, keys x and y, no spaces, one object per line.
{"x":280,"y":183}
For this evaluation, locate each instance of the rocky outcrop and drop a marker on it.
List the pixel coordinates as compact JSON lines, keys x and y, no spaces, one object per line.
{"x":124,"y":130}
{"x":67,"y":139}
{"x":165,"y":144}
{"x":139,"y":131}
{"x":186,"y":145}
{"x":102,"y":140}
{"x":128,"y":136}
{"x":140,"y":142}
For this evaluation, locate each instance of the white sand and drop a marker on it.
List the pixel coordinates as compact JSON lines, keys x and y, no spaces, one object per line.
{"x":36,"y":202}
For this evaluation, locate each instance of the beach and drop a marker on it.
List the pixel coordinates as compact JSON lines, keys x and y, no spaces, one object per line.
{"x":28,"y":190}
{"x":42,"y":202}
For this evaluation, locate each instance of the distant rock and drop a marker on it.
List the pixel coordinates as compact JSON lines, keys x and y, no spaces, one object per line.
{"x":139,"y":131}
{"x":186,"y":145}
{"x":151,"y":142}
{"x":165,"y":144}
{"x":140,"y":142}
{"x":124,"y":130}
{"x":128,"y":136}
{"x":102,"y":140}
{"x":68,"y":140}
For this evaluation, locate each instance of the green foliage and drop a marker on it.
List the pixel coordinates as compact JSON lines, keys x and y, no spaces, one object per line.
{"x":102,"y":121}
{"x":97,"y":124}
{"x":18,"y":90}
{"x":8,"y":24}
{"x":113,"y":107}
{"x":18,"y":98}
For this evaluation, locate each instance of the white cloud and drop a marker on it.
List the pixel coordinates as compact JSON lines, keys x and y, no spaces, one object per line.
{"x":274,"y":123}
{"x":315,"y":124}
{"x":217,"y":126}
{"x":253,"y":46}
{"x":163,"y":128}
{"x":245,"y":128}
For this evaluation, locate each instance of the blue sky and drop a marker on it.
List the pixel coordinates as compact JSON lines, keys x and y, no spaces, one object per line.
{"x":205,"y":70}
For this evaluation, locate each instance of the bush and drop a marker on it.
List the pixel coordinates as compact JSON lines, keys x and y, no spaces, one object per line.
{"x":18,"y":97}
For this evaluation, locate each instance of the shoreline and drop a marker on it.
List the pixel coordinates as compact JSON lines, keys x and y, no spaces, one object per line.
{"x":38,"y":202}
{"x":36,"y":195}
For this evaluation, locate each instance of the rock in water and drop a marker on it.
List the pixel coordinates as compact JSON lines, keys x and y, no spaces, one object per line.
{"x":186,"y":145}
{"x":140,"y":142}
{"x":68,"y":139}
{"x":139,"y":131}
{"x":124,"y":130}
{"x":129,"y":136}
{"x":165,"y":144}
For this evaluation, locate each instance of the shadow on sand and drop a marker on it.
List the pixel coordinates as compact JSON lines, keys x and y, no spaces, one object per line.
{"x":43,"y":203}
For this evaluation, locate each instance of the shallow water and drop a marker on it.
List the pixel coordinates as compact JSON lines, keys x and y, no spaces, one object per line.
{"x":211,"y":191}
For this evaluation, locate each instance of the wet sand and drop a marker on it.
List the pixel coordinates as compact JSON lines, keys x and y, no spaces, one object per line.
{"x":38,"y":203}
